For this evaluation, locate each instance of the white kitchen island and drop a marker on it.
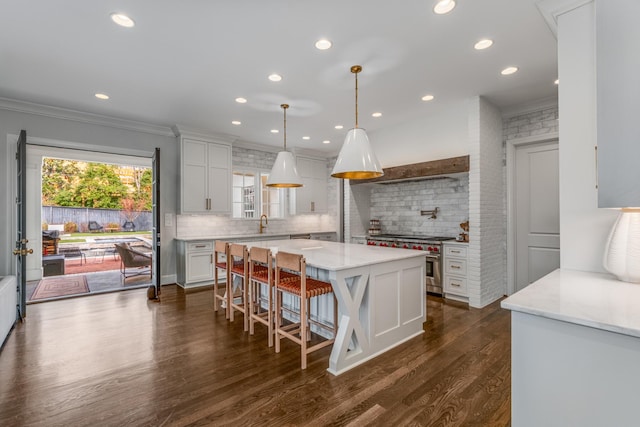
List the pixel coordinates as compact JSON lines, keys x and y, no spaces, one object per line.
{"x":575,"y":351}
{"x":380,"y":291}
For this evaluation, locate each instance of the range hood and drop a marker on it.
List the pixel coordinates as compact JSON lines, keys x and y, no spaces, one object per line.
{"x":435,"y":169}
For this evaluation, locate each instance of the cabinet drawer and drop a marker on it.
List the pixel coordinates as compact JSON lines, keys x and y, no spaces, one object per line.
{"x":455,"y":285}
{"x":457,"y":251}
{"x":200,"y":246}
{"x":455,"y":266}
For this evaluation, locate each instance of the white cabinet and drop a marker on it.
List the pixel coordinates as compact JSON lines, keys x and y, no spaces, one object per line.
{"x":311,"y":198}
{"x":195,"y":263}
{"x":455,"y":271}
{"x":618,"y":103}
{"x":205,"y":177}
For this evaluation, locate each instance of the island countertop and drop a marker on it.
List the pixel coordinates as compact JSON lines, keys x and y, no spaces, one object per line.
{"x":596,"y":300}
{"x":337,"y":256}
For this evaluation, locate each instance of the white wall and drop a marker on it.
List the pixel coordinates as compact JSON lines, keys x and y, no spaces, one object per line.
{"x":485,"y":271}
{"x":80,"y":129}
{"x":432,"y":137}
{"x":583,"y":227}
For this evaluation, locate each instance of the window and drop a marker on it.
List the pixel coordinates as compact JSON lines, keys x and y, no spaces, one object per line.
{"x":252,"y":198}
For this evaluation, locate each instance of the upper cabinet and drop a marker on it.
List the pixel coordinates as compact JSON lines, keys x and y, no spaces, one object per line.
{"x":205,"y":177}
{"x":311,"y":198}
{"x":618,"y":103}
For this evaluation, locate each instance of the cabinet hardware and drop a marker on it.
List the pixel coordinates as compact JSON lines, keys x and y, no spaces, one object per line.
{"x":455,"y":266}
{"x":211,"y":255}
{"x":455,"y":284}
{"x":455,"y":252}
{"x":201,"y":246}
{"x":313,"y":206}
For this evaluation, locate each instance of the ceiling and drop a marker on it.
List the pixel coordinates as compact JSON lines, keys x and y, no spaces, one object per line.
{"x":184,"y":63}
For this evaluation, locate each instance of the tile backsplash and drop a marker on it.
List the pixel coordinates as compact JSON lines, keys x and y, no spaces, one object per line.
{"x":398,"y":205}
{"x":189,"y":226}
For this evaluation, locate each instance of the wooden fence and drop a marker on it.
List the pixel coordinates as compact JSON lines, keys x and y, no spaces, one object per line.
{"x":82,"y":216}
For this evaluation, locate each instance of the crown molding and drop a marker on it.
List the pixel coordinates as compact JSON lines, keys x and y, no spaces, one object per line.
{"x":530,"y":107}
{"x":82,"y":117}
{"x":188,"y":132}
{"x":551,"y":9}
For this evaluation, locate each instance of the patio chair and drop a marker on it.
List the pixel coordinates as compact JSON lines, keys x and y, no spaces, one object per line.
{"x":132,"y":262}
{"x":94,"y":226}
{"x":128,"y":226}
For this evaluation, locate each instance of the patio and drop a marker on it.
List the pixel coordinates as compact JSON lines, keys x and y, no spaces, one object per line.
{"x":98,"y":283}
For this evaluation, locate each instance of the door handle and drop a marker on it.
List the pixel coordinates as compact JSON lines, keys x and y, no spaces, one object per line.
{"x":23,"y":252}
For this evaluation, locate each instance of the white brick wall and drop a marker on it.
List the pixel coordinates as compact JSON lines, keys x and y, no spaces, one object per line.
{"x":212,"y":225}
{"x":486,"y":205}
{"x":398,"y":206}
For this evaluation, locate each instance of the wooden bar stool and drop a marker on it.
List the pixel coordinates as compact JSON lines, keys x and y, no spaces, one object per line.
{"x":261,"y":274}
{"x":221,"y":258}
{"x":304,"y":288}
{"x":261,"y":304}
{"x":239,"y":265}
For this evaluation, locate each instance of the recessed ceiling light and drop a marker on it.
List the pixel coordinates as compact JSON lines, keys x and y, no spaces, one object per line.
{"x":274,"y":131}
{"x":326,"y":141}
{"x":102,"y":96}
{"x":306,"y":138}
{"x":509,"y":70}
{"x":275,"y":77}
{"x":241,"y":100}
{"x":376,"y":115}
{"x":444,"y":6}
{"x":557,"y":82}
{"x":122,"y":20}
{"x":483,"y":44}
{"x":323,"y":44}
{"x":428,"y":98}
{"x":339,"y":126}
{"x":236,"y":122}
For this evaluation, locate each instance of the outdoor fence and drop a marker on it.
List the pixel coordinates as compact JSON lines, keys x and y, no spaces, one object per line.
{"x":82,"y":216}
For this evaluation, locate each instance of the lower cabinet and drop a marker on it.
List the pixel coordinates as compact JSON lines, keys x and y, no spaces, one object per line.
{"x":455,"y":271}
{"x":195,"y":263}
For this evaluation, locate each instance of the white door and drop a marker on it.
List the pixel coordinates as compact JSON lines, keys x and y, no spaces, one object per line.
{"x":537,"y":212}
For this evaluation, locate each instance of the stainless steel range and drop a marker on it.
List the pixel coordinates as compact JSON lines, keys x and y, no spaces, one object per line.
{"x":430,"y":244}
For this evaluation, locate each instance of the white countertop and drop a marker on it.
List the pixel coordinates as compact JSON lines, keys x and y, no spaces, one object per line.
{"x":335,"y":256}
{"x":247,"y":236}
{"x":590,"y":299}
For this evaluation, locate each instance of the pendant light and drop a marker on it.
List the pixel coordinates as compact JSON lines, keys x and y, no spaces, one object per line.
{"x":284,"y":173}
{"x":356,"y":159}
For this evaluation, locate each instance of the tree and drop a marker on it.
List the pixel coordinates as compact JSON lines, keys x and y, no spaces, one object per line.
{"x":99,"y":187}
{"x":58,"y":179}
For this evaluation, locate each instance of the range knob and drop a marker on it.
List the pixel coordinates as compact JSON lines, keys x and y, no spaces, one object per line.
{"x":415,"y":247}
{"x":406,"y":246}
{"x":394,"y":245}
{"x":435,"y":249}
{"x":419,"y":248}
{"x":430,"y":248}
{"x":384,"y":244}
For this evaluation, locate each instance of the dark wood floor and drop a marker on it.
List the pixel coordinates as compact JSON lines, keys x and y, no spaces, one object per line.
{"x":119,"y":360}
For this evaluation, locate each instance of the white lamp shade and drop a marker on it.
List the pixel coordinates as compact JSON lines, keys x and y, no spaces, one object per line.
{"x":356,"y":159}
{"x":284,"y":173}
{"x":622,"y":252}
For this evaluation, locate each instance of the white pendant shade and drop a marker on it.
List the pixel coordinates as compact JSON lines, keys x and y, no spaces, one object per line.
{"x":622,"y":252}
{"x":284,"y":173}
{"x":356,"y":159}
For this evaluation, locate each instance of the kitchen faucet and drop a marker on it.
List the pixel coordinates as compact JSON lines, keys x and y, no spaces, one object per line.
{"x":266,"y":221}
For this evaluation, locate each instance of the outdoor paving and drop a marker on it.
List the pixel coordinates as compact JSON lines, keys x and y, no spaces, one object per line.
{"x":100,"y":282}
